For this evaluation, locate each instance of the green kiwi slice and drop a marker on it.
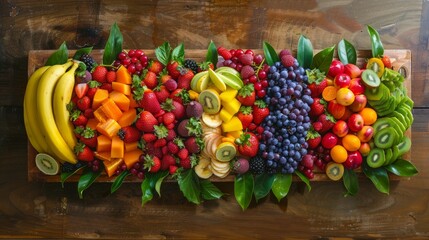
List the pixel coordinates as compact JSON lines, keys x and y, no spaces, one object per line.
{"x":385,"y":138}
{"x":375,"y":158}
{"x":225,"y":152}
{"x":334,"y":171}
{"x":404,"y":146}
{"x":210,"y":101}
{"x":388,"y":153}
{"x":370,"y":78}
{"x":47,"y":164}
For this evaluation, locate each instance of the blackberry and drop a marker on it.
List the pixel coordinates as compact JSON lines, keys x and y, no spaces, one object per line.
{"x":89,"y":61}
{"x":191,"y":64}
{"x":67,"y":167}
{"x":257,"y":165}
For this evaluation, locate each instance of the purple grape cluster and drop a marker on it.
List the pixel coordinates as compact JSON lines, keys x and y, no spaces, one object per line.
{"x":283,"y":142}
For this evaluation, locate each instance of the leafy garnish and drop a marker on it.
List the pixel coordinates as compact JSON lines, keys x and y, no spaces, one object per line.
{"x":78,"y":54}
{"x":281,"y":185}
{"x":263,"y":184}
{"x":163,"y":53}
{"x":243,"y":189}
{"x":65,"y":175}
{"x":189,"y":184}
{"x":87,"y":178}
{"x":304,"y":52}
{"x":378,"y":177}
{"x":304,"y":179}
{"x":119,"y":180}
{"x":402,"y":168}
{"x":113,"y":45}
{"x":376,"y":44}
{"x":270,"y":54}
{"x":209,"y":191}
{"x":323,"y":59}
{"x":152,"y":182}
{"x":58,"y":57}
{"x":212,"y":55}
{"x":350,"y":182}
{"x":346,"y":52}
{"x":178,"y":54}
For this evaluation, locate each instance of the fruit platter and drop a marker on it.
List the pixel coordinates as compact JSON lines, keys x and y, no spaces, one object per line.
{"x":258,"y":118}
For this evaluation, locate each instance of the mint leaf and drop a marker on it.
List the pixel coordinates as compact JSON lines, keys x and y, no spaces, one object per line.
{"x":350,"y":182}
{"x":86,"y":179}
{"x":78,"y":54}
{"x":119,"y":180}
{"x":113,"y":45}
{"x":323,"y":59}
{"x":378,"y":177}
{"x":281,"y":185}
{"x":376,"y":44}
{"x":263,"y":184}
{"x":163,"y":53}
{"x":178,"y":54}
{"x":58,"y":57}
{"x":209,"y":191}
{"x":304,"y":52}
{"x":402,"y":168}
{"x":243,"y":189}
{"x":346,"y":52}
{"x":212,"y":55}
{"x":270,"y":54}
{"x":190,"y":186}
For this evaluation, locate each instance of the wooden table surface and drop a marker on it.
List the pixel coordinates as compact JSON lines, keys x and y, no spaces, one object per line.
{"x":45,"y":210}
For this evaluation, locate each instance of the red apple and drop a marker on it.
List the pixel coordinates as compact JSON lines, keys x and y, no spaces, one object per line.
{"x":340,"y":128}
{"x":336,"y":67}
{"x":354,"y":160}
{"x":347,"y":114}
{"x":329,"y":140}
{"x":335,"y":109}
{"x":355,"y":122}
{"x":365,"y":134}
{"x":342,"y":80}
{"x":352,"y":70}
{"x":359,"y":103}
{"x":356,"y":86}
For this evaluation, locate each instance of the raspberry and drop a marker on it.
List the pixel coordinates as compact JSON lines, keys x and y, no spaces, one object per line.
{"x":287,"y":60}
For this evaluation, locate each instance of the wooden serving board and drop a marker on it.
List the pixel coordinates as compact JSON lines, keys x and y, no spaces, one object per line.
{"x":401,"y":61}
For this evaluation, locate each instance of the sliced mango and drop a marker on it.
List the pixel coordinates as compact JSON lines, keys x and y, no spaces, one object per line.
{"x":121,"y":100}
{"x":132,"y":157}
{"x":232,"y":106}
{"x":225,"y":115}
{"x":228,"y":95}
{"x":117,"y":148}
{"x":111,"y":166}
{"x":109,"y":128}
{"x":232,"y":125}
{"x":111,"y":110}
{"x":99,"y":97}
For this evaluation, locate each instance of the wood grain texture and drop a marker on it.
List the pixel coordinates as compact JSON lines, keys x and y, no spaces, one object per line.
{"x":45,"y":210}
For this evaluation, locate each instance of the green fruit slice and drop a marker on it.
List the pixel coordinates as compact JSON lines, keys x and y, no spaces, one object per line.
{"x":225,"y":152}
{"x":400,"y":121}
{"x":334,"y":171}
{"x":197,"y":78}
{"x":382,"y":123}
{"x":370,"y":78}
{"x":230,"y":70}
{"x":376,"y":65}
{"x":377,"y":93}
{"x":210,"y":101}
{"x":398,"y":126}
{"x":47,"y":164}
{"x":385,"y":138}
{"x":203,"y":83}
{"x":404,"y":146}
{"x":388,"y":153}
{"x":395,"y":154}
{"x":375,"y":158}
{"x":216,"y":80}
{"x":231,"y":80}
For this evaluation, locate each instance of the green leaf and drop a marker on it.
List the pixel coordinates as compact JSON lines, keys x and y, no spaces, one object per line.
{"x":160,"y":178}
{"x":212,"y":55}
{"x":243,"y":189}
{"x":209,"y":191}
{"x":346,"y":52}
{"x":378,"y":177}
{"x":86,"y":179}
{"x":58,"y":57}
{"x":65,"y":175}
{"x":81,"y":51}
{"x":147,"y":193}
{"x":189,"y":184}
{"x":281,"y":185}
{"x":113,"y":45}
{"x":376,"y":44}
{"x":263,"y":184}
{"x":304,"y":179}
{"x":178,"y":54}
{"x":402,"y":168}
{"x":270,"y":54}
{"x":323,"y":59}
{"x":304,"y":52}
{"x":119,"y":180}
{"x":163,"y":53}
{"x":350,"y":182}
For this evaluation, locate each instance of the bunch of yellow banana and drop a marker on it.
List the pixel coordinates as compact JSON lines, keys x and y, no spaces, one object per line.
{"x":46,"y":118}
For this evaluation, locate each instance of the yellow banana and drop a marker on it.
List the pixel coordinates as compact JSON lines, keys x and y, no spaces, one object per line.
{"x":62,"y":96}
{"x":30,"y":111}
{"x":48,"y":126}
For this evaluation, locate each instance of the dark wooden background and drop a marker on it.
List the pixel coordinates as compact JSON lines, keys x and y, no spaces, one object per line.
{"x":45,"y":210}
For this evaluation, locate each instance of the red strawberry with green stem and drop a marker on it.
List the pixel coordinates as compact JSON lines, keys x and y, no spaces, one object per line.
{"x":260,"y":112}
{"x":81,"y":89}
{"x":246,"y":95}
{"x":83,"y":152}
{"x":245,"y":115}
{"x":146,"y":122}
{"x":161,"y":93}
{"x":317,"y":107}
{"x":83,"y":103}
{"x":155,"y":66}
{"x":173,"y":69}
{"x":149,"y":137}
{"x":248,"y":144}
{"x":89,"y":137}
{"x":327,"y":120}
{"x":152,"y":163}
{"x":194,"y":144}
{"x":185,"y":78}
{"x":174,"y":107}
{"x":313,"y":139}
{"x":317,"y":82}
{"x":129,"y":134}
{"x":149,"y":102}
{"x":78,"y":119}
{"x":150,"y":79}
{"x":99,"y":74}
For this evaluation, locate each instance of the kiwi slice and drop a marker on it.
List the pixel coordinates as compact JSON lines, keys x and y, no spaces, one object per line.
{"x":382,"y":123}
{"x":376,"y":158}
{"x":400,"y":121}
{"x":334,"y":171}
{"x":385,"y":138}
{"x":388,"y":153}
{"x":405,"y":114}
{"x":404,"y":146}
{"x":370,"y":78}
{"x":409,"y":102}
{"x":210,"y":101}
{"x":47,"y":164}
{"x":225,"y":152}
{"x":395,"y":154}
{"x":376,"y":65}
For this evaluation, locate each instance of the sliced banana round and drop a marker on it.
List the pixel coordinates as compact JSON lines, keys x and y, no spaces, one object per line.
{"x":219,"y":166}
{"x":47,"y":164}
{"x":220,"y":174}
{"x":211,"y":120}
{"x":202,"y":169}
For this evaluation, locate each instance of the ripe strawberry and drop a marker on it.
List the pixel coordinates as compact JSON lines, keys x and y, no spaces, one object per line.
{"x":327,"y":120}
{"x":205,"y":66}
{"x":146,"y":122}
{"x":180,"y":95}
{"x":93,"y":86}
{"x":78,"y":119}
{"x":111,"y":76}
{"x":185,"y":163}
{"x":247,"y":71}
{"x":172,"y":147}
{"x":183,"y":153}
{"x":160,"y":143}
{"x":129,"y":134}
{"x":164,"y":76}
{"x":149,"y":137}
{"x":248,"y":144}
{"x":170,"y":135}
{"x":172,"y":169}
{"x":386,"y":61}
{"x":313,"y":139}
{"x":152,"y":163}
{"x":317,"y":82}
{"x":150,"y":79}
{"x":150,"y":102}
{"x":246,"y":95}
{"x":317,"y":107}
{"x":167,"y":161}
{"x":83,"y":103}
{"x":174,"y":107}
{"x":173,"y":69}
{"x":260,"y":112}
{"x":224,"y":53}
{"x":185,"y":78}
{"x":155,"y":66}
{"x":168,"y":118}
{"x":317,"y":126}
{"x":88,"y":113}
{"x":81,"y":89}
{"x":107,"y":86}
{"x":83,"y":152}
{"x":161,"y":93}
{"x":194,"y":144}
{"x":245,"y":115}
{"x":89,"y":137}
{"x":99,"y":74}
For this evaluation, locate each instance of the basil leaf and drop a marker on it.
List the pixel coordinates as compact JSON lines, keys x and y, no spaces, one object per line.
{"x":163,"y":53}
{"x":212,"y":55}
{"x":178,"y":54}
{"x":376,"y":44}
{"x":65,"y":175}
{"x":402,"y":168}
{"x":263,"y":184}
{"x":350,"y":182}
{"x":86,"y":179}
{"x":113,"y":45}
{"x":78,"y":54}
{"x":271,"y":55}
{"x":304,"y":179}
{"x":58,"y":57}
{"x":118,"y":181}
{"x":243,"y":189}
{"x":190,"y":186}
{"x":147,"y":193}
{"x":378,"y":177}
{"x":323,"y":59}
{"x":160,"y":177}
{"x":209,"y":191}
{"x":281,"y":185}
{"x":304,"y":52}
{"x":346,"y":52}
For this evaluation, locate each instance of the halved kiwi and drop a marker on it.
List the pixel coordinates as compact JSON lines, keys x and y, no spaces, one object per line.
{"x":385,"y":138}
{"x":210,"y":101}
{"x":47,"y":164}
{"x":376,"y":65}
{"x":370,"y":78}
{"x":376,"y":158}
{"x":404,"y":146}
{"x":334,"y":171}
{"x":225,"y":152}
{"x":388,"y":153}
